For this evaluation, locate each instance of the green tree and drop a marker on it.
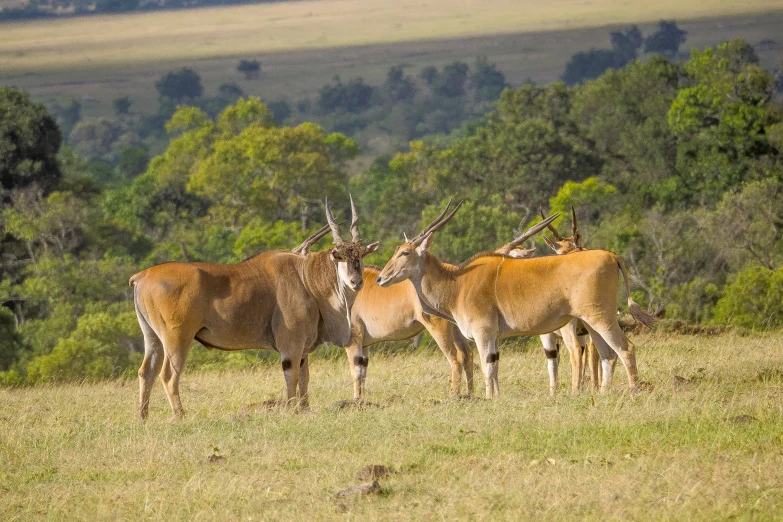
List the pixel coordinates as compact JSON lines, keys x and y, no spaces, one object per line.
{"x":102,"y":346}
{"x":624,"y":114}
{"x":666,"y":40}
{"x":754,"y":299}
{"x":250,"y":68}
{"x":720,"y":119}
{"x":487,"y":80}
{"x":121,"y":106}
{"x":398,"y":87}
{"x":29,"y":141}
{"x":180,"y":85}
{"x":133,"y":162}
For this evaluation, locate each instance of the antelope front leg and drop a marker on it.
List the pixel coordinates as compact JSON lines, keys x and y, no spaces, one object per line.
{"x":490,"y":357}
{"x":304,"y":381}
{"x":552,"y":360}
{"x":358,"y":360}
{"x":571,"y":340}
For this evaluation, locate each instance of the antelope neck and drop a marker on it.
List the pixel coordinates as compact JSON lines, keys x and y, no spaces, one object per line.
{"x":436,"y":288}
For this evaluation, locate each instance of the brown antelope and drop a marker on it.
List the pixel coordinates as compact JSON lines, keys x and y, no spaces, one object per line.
{"x":574,"y":334}
{"x":274,"y":300}
{"x":393,"y":314}
{"x":575,"y":330}
{"x":493,"y":296}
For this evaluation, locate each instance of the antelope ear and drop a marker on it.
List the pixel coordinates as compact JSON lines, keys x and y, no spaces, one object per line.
{"x":549,"y":243}
{"x":333,"y":255}
{"x":578,"y":240}
{"x":425,"y":245}
{"x":372,"y":247}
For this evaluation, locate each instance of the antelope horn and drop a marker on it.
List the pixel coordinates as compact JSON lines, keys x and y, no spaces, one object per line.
{"x":573,"y":222}
{"x":532,"y":231}
{"x":552,"y":229}
{"x":428,"y":227}
{"x":356,"y":238}
{"x":338,"y":240}
{"x":304,"y":247}
{"x":438,"y":224}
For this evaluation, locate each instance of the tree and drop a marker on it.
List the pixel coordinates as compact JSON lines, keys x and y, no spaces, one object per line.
{"x":624,"y":113}
{"x":121,"y":106}
{"x":721,"y":119}
{"x":180,"y":85}
{"x":95,"y":137}
{"x":29,"y":141}
{"x":68,"y":116}
{"x":230,"y":91}
{"x":250,"y":68}
{"x":588,"y":65}
{"x":486,"y":80}
{"x":667,"y":40}
{"x":754,"y":299}
{"x":398,"y":87}
{"x":133,"y":162}
{"x":451,"y":80}
{"x":626,"y":44}
{"x":355,"y":96}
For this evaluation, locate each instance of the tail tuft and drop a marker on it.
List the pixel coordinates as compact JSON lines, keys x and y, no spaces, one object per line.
{"x":640,"y":315}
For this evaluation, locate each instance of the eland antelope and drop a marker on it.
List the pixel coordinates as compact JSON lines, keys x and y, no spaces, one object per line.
{"x":394,"y":314}
{"x":493,"y":296}
{"x":275,"y":300}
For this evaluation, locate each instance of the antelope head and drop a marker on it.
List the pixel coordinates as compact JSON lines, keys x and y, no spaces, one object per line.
{"x":564,"y":245}
{"x":348,"y":256}
{"x":408,"y":258}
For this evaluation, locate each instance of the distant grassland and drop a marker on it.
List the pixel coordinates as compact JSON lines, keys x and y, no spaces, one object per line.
{"x":711,"y":449}
{"x":302,"y":45}
{"x":221,"y":31}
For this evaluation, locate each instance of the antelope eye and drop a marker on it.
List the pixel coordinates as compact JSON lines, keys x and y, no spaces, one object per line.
{"x":405,"y":253}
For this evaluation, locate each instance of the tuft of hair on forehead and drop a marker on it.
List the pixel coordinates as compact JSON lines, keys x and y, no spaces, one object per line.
{"x":351,"y":250}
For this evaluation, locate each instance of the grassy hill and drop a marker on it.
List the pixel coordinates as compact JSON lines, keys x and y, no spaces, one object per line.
{"x":302,"y":45}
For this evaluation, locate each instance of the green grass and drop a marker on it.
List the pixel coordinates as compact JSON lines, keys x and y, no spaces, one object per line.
{"x":77,"y":453}
{"x":303,"y":45}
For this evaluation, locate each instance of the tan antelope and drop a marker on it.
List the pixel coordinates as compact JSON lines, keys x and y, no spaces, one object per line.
{"x":394,"y":314}
{"x":493,"y":296}
{"x":275,"y":300}
{"x":581,"y":349}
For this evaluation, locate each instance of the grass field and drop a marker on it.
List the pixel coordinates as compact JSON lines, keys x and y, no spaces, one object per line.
{"x":302,"y":45}
{"x":711,"y":449}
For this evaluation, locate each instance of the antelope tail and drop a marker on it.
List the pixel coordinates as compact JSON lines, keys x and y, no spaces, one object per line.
{"x":636,"y":311}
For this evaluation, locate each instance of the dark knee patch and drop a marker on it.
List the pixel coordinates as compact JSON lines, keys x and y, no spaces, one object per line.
{"x":551,"y":355}
{"x":301,"y":363}
{"x":361,"y":361}
{"x":287,"y":364}
{"x":493,"y":358}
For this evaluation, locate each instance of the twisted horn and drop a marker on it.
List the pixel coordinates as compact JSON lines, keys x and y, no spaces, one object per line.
{"x":532,"y":231}
{"x":573,"y":223}
{"x":552,"y":229}
{"x":304,"y":247}
{"x":428,"y":227}
{"x":338,"y":240}
{"x":356,"y":238}
{"x":438,"y":223}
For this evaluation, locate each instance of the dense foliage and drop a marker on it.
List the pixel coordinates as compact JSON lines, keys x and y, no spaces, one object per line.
{"x":675,"y":166}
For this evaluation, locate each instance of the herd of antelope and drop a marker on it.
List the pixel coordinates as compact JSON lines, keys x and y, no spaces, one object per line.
{"x":292,"y":302}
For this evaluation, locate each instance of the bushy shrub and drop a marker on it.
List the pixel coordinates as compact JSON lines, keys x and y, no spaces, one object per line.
{"x":102,"y":346}
{"x":753,"y":300}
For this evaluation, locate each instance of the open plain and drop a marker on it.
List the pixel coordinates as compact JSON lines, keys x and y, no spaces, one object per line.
{"x":303,"y":45}
{"x":703,"y":442}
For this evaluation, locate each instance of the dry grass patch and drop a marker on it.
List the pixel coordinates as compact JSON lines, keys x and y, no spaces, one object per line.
{"x":285,"y":26}
{"x":77,"y":452}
